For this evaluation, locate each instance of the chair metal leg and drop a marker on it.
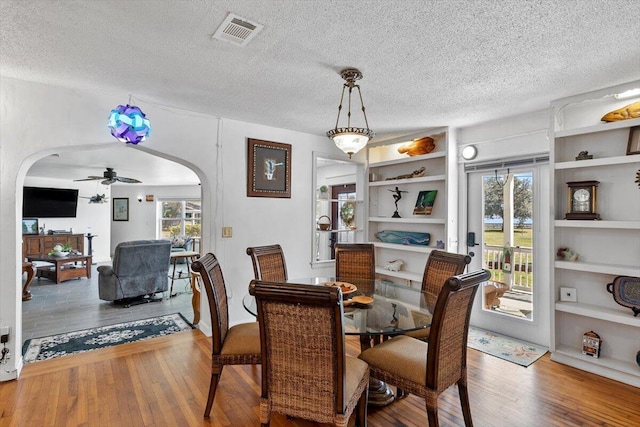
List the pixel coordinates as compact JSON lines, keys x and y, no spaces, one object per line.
{"x":212,"y":394}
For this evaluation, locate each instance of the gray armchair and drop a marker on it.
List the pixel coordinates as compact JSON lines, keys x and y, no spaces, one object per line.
{"x":140,"y":267}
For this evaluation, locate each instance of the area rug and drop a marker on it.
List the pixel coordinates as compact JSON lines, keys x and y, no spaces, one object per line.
{"x":513,"y":350}
{"x":45,"y":348}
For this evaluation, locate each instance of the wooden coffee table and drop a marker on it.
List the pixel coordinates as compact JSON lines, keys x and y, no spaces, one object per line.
{"x":63,"y":268}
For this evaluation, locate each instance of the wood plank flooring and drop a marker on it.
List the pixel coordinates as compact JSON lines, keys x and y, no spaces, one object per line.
{"x":164,"y":382}
{"x":74,"y":304}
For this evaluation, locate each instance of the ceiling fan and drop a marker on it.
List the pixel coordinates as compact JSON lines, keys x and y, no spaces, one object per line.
{"x":110,"y":176}
{"x":98,"y":198}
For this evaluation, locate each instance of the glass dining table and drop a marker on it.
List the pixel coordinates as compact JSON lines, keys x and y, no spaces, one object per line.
{"x":390,"y":309}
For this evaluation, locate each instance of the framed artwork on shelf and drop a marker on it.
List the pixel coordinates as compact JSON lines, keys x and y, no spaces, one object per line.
{"x":121,"y":209}
{"x":425,"y":201}
{"x":30,"y":226}
{"x":268,"y":169}
{"x":633,"y":147}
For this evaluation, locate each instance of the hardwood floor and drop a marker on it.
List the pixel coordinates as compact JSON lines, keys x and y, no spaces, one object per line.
{"x":74,"y":304}
{"x":164,"y":382}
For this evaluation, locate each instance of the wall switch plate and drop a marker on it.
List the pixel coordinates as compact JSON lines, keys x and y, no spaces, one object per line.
{"x":227,"y":232}
{"x":568,"y":294}
{"x":4,"y":330}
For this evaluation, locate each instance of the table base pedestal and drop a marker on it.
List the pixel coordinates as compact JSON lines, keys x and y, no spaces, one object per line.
{"x":380,"y":394}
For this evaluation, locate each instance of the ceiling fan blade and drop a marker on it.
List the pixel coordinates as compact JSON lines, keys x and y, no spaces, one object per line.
{"x":91,"y":178}
{"x":108,"y":181}
{"x":127,"y":180}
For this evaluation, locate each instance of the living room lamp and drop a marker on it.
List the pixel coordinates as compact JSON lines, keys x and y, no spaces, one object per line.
{"x":350,"y":139}
{"x":129,"y":124}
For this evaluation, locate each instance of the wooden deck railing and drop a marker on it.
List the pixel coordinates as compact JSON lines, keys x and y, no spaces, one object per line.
{"x":522,"y":266}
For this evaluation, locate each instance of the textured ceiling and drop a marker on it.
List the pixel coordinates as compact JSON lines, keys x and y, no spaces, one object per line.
{"x":425,"y":63}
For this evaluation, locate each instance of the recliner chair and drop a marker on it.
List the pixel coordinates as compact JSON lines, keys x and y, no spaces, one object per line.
{"x":140,"y":268}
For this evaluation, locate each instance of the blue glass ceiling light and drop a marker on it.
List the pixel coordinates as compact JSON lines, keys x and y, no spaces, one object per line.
{"x":129,"y":124}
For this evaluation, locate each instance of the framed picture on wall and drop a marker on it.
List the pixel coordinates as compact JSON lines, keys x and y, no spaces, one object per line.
{"x":121,"y":209}
{"x":268,"y":169}
{"x":30,"y":226}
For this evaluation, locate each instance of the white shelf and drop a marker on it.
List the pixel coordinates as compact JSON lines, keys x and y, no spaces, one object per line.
{"x":604,"y":161}
{"x":623,"y":225}
{"x":601,"y":127}
{"x":411,"y":220}
{"x":620,"y":370}
{"x":434,"y":155}
{"x":622,"y":316}
{"x":405,"y":275}
{"x":592,"y":267}
{"x":338,"y":200}
{"x":391,"y":182}
{"x":408,"y":248}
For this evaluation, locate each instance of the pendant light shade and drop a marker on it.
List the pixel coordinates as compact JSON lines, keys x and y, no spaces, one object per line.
{"x":129,"y":124}
{"x":350,"y":139}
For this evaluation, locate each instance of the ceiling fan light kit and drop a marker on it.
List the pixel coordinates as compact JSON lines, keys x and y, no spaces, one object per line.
{"x":129,"y":124}
{"x":350,"y":139}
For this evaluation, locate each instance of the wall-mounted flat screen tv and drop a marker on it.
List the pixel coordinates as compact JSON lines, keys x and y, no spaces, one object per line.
{"x":39,"y":202}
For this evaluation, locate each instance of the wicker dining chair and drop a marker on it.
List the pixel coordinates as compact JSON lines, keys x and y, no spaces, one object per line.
{"x":428,"y":369}
{"x":356,"y":262}
{"x":305,"y":370}
{"x":268,"y":263}
{"x":236,"y":345}
{"x":440,"y":266}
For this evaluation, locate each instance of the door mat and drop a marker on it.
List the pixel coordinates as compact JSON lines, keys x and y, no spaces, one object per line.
{"x":513,"y":350}
{"x":46,"y":348}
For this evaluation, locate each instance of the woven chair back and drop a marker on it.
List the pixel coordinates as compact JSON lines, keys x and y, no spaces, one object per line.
{"x":268,"y":263}
{"x":211,"y":273}
{"x":440,"y":266}
{"x":356,"y":263}
{"x":303,"y":349}
{"x":447,"y":351}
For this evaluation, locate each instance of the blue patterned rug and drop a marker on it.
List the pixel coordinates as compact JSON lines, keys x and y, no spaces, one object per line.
{"x":513,"y":350}
{"x":45,"y":348}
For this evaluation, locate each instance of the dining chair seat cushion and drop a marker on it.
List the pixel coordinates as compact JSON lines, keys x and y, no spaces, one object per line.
{"x":420,"y":334}
{"x":402,"y":357}
{"x":355,"y":372}
{"x":242,"y":339}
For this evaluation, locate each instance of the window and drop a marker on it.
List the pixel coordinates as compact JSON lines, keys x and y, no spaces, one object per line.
{"x":179,"y":218}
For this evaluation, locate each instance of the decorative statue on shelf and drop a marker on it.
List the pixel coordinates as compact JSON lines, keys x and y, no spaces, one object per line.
{"x":584,"y":155}
{"x":396,"y":197}
{"x":567,"y":254}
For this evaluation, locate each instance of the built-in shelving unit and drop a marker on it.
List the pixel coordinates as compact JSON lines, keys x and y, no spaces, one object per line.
{"x":385,"y":164}
{"x":608,"y":247}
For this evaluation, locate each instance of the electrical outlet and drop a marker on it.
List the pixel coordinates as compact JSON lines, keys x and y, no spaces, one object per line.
{"x":4,"y":330}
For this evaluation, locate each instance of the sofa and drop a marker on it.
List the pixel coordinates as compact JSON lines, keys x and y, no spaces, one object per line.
{"x":181,"y":244}
{"x":140,"y":268}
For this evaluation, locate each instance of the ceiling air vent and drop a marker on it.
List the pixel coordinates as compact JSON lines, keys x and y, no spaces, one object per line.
{"x":237,"y":30}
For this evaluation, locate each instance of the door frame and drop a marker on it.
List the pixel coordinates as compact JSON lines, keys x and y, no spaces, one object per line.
{"x":538,"y":329}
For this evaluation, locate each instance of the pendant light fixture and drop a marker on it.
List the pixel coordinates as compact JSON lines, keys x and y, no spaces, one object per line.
{"x":350,"y":139}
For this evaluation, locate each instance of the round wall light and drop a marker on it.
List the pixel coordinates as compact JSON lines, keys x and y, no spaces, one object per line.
{"x":469,"y":152}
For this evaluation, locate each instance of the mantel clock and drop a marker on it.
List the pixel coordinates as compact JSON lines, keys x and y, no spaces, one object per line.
{"x":581,"y":203}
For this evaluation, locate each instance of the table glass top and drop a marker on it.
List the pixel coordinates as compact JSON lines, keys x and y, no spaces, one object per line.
{"x":395,"y":309}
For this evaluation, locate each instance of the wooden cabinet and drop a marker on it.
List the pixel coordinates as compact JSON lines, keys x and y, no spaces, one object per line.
{"x":384,"y":163}
{"x":607,"y":247}
{"x":42,"y":244}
